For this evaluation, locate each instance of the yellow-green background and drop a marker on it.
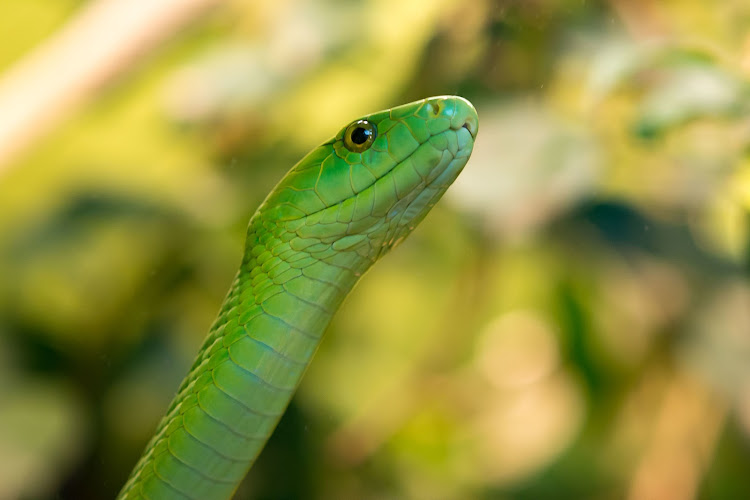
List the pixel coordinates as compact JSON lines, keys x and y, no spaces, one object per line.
{"x":571,"y":321}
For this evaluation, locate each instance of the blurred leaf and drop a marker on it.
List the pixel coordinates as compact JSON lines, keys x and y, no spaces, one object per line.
{"x":42,"y":435}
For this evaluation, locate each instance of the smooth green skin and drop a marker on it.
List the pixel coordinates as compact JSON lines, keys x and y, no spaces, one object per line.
{"x":328,"y":220}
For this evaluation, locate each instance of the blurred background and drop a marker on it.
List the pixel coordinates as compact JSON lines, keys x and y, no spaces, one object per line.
{"x":571,"y":321}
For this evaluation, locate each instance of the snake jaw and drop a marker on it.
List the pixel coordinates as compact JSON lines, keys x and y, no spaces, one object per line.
{"x":426,"y":196}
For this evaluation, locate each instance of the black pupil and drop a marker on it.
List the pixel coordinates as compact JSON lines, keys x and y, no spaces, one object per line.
{"x":360,"y":135}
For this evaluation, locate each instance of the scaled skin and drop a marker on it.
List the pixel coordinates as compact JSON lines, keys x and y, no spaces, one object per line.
{"x":328,"y":220}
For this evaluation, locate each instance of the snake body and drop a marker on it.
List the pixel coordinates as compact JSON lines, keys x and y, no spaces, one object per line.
{"x":336,"y":212}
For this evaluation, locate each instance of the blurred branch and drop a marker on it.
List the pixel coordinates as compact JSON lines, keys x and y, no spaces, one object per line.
{"x":745,"y":58}
{"x":105,"y":39}
{"x":640,"y":18}
{"x":686,"y":429}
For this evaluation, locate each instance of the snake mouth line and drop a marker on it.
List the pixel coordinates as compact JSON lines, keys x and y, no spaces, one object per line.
{"x":463,"y":151}
{"x":425,"y":194}
{"x":437,"y":181}
{"x":430,"y":188}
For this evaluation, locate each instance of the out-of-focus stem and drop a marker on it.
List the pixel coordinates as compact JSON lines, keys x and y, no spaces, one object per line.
{"x":640,"y":17}
{"x":102,"y":41}
{"x":683,"y":438}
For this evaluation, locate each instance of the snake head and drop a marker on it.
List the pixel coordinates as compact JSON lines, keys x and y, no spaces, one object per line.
{"x":367,"y":188}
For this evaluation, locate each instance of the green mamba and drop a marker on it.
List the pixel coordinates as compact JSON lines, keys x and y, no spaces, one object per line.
{"x":336,"y":212}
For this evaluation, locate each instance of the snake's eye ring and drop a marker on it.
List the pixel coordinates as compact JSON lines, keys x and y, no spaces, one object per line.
{"x":359,"y":136}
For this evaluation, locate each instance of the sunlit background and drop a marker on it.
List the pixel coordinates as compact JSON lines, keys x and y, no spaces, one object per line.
{"x":571,"y":321}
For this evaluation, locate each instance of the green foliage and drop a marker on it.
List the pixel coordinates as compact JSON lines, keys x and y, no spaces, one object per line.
{"x":570,"y":322}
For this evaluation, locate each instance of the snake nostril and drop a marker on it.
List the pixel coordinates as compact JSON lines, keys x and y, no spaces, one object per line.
{"x":471,"y":127}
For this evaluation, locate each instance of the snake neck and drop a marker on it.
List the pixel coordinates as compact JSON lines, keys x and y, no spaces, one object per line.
{"x":288,"y":285}
{"x":270,"y":325}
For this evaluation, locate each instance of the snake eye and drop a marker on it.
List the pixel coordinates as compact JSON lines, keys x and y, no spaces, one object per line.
{"x":359,"y":136}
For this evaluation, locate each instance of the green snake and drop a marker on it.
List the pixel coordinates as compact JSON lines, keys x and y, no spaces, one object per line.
{"x":336,"y":212}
